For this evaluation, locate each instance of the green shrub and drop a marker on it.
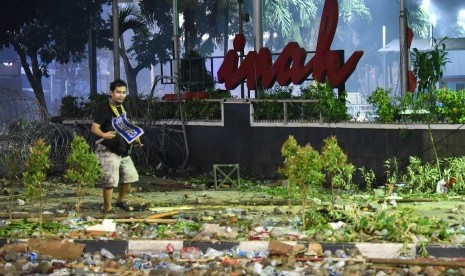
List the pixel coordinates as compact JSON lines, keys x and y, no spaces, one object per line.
{"x":335,"y":166}
{"x":270,"y":109}
{"x":72,"y":107}
{"x":35,"y":175}
{"x":331,"y":106}
{"x":450,"y":106}
{"x":385,"y":105}
{"x":12,"y":176}
{"x":84,"y":169}
{"x":303,"y":169}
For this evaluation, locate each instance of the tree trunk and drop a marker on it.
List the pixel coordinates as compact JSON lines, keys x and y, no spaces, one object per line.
{"x":296,"y":36}
{"x":131,"y":73}
{"x":190,"y":30}
{"x":34,"y":77}
{"x":226,"y":32}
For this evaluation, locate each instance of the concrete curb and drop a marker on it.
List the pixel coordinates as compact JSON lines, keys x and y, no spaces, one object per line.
{"x":368,"y":250}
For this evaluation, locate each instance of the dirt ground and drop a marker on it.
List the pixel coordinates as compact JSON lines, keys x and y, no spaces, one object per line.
{"x":149,"y":195}
{"x":153,"y":194}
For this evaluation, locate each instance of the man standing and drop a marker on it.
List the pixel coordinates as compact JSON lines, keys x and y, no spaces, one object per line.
{"x":113,"y":150}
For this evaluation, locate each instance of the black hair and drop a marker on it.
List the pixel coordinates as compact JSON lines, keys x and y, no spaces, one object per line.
{"x":117,"y":83}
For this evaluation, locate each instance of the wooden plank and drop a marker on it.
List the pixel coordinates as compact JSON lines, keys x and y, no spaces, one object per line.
{"x":162,"y":215}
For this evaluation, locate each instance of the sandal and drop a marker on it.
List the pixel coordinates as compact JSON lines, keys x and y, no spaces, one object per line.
{"x":111,"y":211}
{"x":124,"y":205}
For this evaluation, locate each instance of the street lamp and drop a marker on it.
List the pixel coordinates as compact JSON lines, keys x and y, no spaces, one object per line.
{"x":115,"y":23}
{"x":245,"y":18}
{"x":176,"y":46}
{"x":257,"y":23}
{"x":403,"y":50}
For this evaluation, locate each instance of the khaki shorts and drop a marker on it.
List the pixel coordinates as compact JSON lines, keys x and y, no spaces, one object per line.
{"x":116,"y":169}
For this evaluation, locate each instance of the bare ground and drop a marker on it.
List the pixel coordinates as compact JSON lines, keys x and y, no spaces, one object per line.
{"x":154,"y":195}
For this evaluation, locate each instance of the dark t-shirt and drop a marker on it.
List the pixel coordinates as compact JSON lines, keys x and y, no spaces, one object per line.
{"x":103,"y":117}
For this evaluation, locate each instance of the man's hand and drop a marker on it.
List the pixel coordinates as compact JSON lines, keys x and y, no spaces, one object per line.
{"x":109,"y":135}
{"x":106,"y":136}
{"x":138,"y":143}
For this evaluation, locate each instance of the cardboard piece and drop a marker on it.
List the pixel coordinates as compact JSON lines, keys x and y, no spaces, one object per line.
{"x":64,"y":249}
{"x":280,"y":248}
{"x":15,"y":247}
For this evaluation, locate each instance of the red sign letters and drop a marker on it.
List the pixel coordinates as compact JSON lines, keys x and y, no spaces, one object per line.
{"x":290,"y":65}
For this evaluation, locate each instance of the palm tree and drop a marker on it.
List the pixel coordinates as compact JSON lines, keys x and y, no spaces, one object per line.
{"x":216,"y":18}
{"x":191,"y":11}
{"x":293,"y":18}
{"x":287,"y":17}
{"x":147,"y":47}
{"x":352,"y":13}
{"x":130,"y":19}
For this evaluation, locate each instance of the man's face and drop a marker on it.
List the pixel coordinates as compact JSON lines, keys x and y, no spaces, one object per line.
{"x":118,"y":95}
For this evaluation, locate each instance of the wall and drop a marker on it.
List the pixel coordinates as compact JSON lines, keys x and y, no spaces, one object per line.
{"x":257,"y":148}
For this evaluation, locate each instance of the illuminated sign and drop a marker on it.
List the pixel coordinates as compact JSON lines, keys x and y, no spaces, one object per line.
{"x":259,"y":70}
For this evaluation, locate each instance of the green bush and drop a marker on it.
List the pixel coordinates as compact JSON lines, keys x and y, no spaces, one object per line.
{"x":331,"y":106}
{"x":270,"y":109}
{"x":84,"y":169}
{"x":307,"y":170}
{"x":303,"y":169}
{"x":385,"y":106}
{"x":194,"y":76}
{"x":72,"y":107}
{"x":34,"y":177}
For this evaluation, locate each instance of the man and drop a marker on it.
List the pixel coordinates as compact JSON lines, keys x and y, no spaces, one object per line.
{"x":113,"y":150}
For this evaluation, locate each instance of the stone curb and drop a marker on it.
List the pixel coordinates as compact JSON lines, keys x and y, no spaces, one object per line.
{"x":368,"y":250}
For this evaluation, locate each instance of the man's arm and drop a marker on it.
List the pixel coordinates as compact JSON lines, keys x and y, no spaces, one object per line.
{"x":95,"y":129}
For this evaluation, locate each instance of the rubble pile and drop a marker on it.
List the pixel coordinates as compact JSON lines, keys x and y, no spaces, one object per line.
{"x":206,"y":238}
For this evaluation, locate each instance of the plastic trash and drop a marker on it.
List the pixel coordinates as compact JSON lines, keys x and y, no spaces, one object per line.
{"x":33,"y":256}
{"x":169,"y":248}
{"x":258,"y":270}
{"x":137,"y":264}
{"x":191,"y":253}
{"x":107,"y":254}
{"x":161,"y":265}
{"x":211,"y":252}
{"x":176,"y":268}
{"x":244,"y":254}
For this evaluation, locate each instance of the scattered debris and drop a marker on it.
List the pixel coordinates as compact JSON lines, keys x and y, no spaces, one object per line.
{"x":64,"y":249}
{"x":107,"y":226}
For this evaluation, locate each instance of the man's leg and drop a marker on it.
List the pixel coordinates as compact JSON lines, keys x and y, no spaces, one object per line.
{"x":128,"y":175}
{"x":123,"y":191}
{"x":107,"y":196}
{"x":110,"y":164}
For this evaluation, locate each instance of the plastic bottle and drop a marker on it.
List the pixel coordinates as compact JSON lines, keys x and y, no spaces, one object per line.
{"x":211,"y":252}
{"x":176,"y":268}
{"x":33,"y":256}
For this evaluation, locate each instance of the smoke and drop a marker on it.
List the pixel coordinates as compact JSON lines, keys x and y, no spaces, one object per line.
{"x":461,"y":20}
{"x":447,"y":17}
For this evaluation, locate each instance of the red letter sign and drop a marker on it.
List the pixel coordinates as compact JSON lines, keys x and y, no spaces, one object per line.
{"x":289,"y":66}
